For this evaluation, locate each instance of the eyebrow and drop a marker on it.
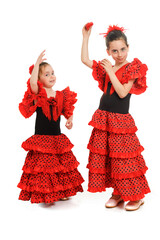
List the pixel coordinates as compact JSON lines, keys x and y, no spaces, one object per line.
{"x":49,"y":72}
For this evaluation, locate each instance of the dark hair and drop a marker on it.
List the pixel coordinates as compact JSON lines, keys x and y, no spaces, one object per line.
{"x":115,"y":35}
{"x":41,"y":65}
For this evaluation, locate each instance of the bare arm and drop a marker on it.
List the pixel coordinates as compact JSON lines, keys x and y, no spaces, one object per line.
{"x":121,"y":89}
{"x":34,"y":75}
{"x":84,"y":51}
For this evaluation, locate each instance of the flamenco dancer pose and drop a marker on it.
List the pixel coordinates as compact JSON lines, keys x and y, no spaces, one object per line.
{"x":50,"y":169}
{"x":115,"y":158}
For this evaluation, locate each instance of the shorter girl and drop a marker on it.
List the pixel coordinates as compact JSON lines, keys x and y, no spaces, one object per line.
{"x":115,"y":158}
{"x":50,"y":169}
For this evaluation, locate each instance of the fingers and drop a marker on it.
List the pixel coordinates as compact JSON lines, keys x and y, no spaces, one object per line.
{"x":69,"y":124}
{"x":41,"y":57}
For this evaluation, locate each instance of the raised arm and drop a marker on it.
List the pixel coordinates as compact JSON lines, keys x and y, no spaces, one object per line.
{"x":84,"y":51}
{"x":34,"y":75}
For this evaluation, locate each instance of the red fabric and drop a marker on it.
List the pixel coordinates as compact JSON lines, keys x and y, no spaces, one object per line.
{"x":115,"y":158}
{"x":88,"y":25}
{"x":113,"y":122}
{"x":58,"y":144}
{"x":130,"y":71}
{"x":31,"y":69}
{"x":39,"y":197}
{"x":69,"y":99}
{"x":50,"y":169}
{"x":115,"y":145}
{"x":62,"y":103}
{"x":112,"y":28}
{"x":49,"y":163}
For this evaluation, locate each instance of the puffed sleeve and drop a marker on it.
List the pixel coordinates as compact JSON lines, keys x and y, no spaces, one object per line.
{"x":69,"y":99}
{"x":99,"y":74}
{"x":136,"y":70}
{"x":30,"y":100}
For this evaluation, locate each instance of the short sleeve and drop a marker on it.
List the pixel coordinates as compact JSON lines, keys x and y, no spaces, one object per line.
{"x":136,"y":70}
{"x":28,"y":106}
{"x":69,"y":99}
{"x":99,"y":74}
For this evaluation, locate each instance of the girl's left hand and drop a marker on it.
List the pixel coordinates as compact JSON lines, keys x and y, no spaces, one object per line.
{"x":107,"y":65}
{"x":69,"y":123}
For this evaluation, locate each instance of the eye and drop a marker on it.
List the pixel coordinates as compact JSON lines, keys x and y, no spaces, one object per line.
{"x":53,"y":73}
{"x":114,"y":50}
{"x":123,"y":49}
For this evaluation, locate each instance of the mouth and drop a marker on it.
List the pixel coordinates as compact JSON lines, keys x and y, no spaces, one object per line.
{"x":52,"y":81}
{"x":120,"y":59}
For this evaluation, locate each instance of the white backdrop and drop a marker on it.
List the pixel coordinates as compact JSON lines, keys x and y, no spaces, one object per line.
{"x":27,"y":28}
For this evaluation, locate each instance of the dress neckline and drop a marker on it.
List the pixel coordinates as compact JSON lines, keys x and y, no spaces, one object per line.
{"x":121,"y":67}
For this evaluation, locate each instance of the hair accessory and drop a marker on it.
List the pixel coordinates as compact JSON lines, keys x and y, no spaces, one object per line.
{"x":112,"y":28}
{"x":31,"y":69}
{"x":88,"y":25}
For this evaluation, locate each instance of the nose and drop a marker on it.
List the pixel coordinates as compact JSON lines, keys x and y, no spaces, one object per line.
{"x":120,"y":54}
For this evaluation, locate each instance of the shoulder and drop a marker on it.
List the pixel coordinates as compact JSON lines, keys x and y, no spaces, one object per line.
{"x":136,"y":66}
{"x":136,"y":70}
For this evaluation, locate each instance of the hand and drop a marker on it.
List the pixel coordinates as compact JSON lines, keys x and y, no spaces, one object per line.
{"x":86,"y":33}
{"x":69,"y":123}
{"x":107,"y":65}
{"x":41,"y":58}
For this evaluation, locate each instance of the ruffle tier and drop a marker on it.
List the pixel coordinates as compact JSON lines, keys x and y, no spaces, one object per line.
{"x":57,"y":144}
{"x":115,"y":158}
{"x":38,"y":197}
{"x":50,"y":169}
{"x":113,"y":122}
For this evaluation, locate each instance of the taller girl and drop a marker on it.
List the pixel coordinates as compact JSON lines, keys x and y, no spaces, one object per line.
{"x":115,"y":158}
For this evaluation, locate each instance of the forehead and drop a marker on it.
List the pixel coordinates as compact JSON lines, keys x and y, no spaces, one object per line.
{"x":117,"y":44}
{"x":46,"y":68}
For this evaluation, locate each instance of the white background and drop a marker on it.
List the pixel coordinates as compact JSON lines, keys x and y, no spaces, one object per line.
{"x":27,"y":28}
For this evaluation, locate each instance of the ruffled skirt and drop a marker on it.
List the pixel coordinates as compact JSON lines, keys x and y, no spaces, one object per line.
{"x":115,"y":158}
{"x":50,"y":170}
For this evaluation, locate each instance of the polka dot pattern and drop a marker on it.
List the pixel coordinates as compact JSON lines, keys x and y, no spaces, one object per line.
{"x":115,"y":158}
{"x":113,"y":122}
{"x":50,"y":170}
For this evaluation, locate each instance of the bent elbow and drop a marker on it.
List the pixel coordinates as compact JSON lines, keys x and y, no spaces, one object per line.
{"x":84,"y":61}
{"x":122,"y":95}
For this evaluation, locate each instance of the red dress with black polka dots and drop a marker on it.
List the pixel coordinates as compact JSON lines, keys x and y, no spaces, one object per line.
{"x":50,"y":169}
{"x":115,"y":158}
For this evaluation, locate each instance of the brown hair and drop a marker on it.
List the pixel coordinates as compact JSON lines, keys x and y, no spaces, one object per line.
{"x":41,"y":66}
{"x":115,"y":35}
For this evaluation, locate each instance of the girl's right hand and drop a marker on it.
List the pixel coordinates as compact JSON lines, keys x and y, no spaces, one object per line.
{"x":86,"y":33}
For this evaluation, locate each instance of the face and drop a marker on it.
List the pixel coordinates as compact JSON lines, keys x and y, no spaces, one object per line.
{"x":47,"y":76}
{"x":118,"y":50}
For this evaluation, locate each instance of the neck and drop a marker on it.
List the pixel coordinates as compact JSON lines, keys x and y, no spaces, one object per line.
{"x":117,"y":64}
{"x":50,"y":92}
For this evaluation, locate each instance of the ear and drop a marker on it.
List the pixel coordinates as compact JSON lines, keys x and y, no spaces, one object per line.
{"x":108,"y":52}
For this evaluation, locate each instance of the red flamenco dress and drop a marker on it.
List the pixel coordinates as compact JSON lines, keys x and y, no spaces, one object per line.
{"x":50,"y":169}
{"x":115,"y":158}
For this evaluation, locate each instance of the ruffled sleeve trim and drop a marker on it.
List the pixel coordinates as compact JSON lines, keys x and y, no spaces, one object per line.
{"x":69,"y":99}
{"x":30,"y":100}
{"x":136,"y":70}
{"x":99,"y":74}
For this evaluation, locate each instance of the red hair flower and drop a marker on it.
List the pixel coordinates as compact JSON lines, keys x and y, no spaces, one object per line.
{"x":112,"y":28}
{"x":31,"y":69}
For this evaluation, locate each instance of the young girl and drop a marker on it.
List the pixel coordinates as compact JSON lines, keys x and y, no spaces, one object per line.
{"x":115,"y":158}
{"x":50,"y":170}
